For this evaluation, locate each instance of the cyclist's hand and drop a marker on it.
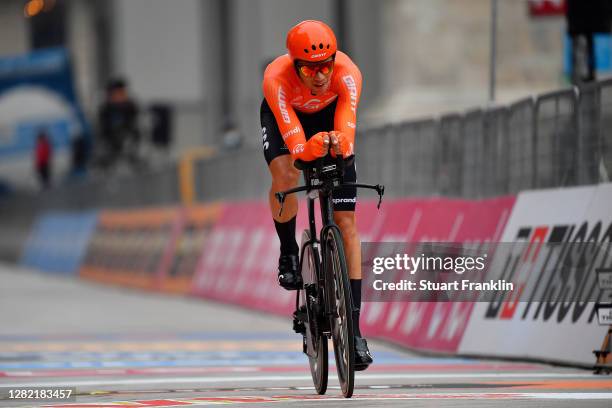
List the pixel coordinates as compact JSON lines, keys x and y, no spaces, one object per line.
{"x":334,"y":141}
{"x":317,"y":145}
{"x":340,"y":144}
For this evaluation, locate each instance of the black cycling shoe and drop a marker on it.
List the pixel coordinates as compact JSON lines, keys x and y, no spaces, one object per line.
{"x":363,"y":358}
{"x":288,"y":275}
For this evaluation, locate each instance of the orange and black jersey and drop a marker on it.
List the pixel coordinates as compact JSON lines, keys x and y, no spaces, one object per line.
{"x":285,"y":94}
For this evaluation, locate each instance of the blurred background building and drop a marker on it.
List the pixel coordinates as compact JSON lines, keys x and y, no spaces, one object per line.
{"x":202,"y":60}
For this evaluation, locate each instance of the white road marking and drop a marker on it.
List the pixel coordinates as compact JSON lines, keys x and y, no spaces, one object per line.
{"x":286,"y":378}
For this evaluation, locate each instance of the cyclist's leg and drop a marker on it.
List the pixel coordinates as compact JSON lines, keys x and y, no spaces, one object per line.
{"x":284,"y":177}
{"x":352,"y":249}
{"x":345,"y":200}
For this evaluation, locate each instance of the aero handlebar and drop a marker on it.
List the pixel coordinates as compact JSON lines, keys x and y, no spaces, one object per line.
{"x":333,"y":182}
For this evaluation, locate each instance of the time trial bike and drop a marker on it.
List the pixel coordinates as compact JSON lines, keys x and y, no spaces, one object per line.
{"x":324,"y":305}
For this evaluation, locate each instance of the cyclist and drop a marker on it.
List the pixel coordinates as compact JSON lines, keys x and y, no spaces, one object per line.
{"x":310,"y":104}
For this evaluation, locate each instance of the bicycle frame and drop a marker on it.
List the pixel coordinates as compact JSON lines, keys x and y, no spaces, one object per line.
{"x":327,"y":219}
{"x":333,"y":320}
{"x":328,"y":178}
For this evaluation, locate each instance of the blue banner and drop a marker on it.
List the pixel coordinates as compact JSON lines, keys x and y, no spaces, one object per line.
{"x":58,"y":241}
{"x":37,"y":93}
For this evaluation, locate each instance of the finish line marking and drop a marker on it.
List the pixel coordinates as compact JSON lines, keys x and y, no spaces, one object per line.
{"x":181,"y":380}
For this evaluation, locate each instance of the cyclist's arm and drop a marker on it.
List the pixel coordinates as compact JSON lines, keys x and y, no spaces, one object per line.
{"x":349,"y":92}
{"x":277,"y":96}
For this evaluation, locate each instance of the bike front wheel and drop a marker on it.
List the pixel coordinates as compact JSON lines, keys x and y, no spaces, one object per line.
{"x":341,"y":307}
{"x":311,"y":300}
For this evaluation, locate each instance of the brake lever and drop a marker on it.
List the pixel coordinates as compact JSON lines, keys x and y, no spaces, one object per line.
{"x":280,"y":196}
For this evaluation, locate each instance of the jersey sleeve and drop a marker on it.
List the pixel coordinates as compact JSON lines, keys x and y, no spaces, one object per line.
{"x":277,"y":95}
{"x":349,"y":91}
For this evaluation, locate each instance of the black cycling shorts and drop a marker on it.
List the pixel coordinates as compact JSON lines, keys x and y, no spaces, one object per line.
{"x":312,"y":123}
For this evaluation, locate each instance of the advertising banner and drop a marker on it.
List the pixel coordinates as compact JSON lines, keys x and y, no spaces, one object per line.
{"x":554,"y":245}
{"x":195,"y":226}
{"x":58,"y":241}
{"x":559,"y":240}
{"x":239,"y":261}
{"x":426,"y":325}
{"x":132,"y":247}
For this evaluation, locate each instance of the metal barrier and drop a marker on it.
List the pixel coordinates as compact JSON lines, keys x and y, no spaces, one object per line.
{"x":449,"y":149}
{"x":605,"y":131}
{"x":473,"y":154}
{"x":556,"y":144}
{"x":521,"y":146}
{"x":419,"y":142}
{"x":496,"y":141}
{"x":558,"y":139}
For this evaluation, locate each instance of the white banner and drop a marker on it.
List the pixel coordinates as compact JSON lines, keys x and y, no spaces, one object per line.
{"x":553,"y":266}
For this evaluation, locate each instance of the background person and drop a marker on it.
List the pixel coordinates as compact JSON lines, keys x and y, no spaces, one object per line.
{"x":584,"y":20}
{"x":118,"y":119}
{"x":43,"y":158}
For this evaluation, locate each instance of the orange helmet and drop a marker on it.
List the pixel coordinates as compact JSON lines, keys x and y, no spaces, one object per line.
{"x":311,"y":40}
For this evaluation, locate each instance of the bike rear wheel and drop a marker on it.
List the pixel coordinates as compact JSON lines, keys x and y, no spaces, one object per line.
{"x":341,"y":307}
{"x":311,"y":298}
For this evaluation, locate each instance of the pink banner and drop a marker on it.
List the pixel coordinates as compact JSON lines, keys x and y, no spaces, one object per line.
{"x":239,"y":260}
{"x":429,"y":326}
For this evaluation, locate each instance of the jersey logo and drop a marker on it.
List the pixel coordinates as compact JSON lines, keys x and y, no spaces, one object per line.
{"x":328,"y":100}
{"x":293,"y":131}
{"x":264,"y":137}
{"x":282,"y":105}
{"x":349,"y":81}
{"x":312,"y":104}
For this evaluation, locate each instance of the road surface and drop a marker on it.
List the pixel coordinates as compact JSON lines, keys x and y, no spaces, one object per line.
{"x":121,"y":347}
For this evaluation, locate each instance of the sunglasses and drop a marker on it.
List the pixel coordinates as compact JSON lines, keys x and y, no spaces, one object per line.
{"x":310,"y":70}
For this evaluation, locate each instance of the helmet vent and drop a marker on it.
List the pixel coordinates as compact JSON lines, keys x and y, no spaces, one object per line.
{"x":310,"y":40}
